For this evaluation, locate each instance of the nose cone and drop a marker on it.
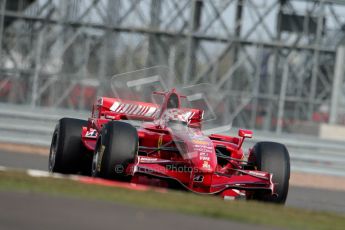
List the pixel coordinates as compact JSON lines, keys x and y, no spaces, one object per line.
{"x":198,"y":149}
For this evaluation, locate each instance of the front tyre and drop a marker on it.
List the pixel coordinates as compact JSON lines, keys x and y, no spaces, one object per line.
{"x":66,"y":150}
{"x":273,"y":158}
{"x":116,"y":148}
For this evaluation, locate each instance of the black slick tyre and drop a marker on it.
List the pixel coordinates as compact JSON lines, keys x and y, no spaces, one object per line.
{"x":273,"y":158}
{"x":67,"y":150}
{"x":116,"y":148}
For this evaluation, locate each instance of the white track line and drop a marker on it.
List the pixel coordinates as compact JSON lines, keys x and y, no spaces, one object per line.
{"x":2,"y":168}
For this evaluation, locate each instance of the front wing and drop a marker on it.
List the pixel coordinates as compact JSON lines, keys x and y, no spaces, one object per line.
{"x":241,"y":182}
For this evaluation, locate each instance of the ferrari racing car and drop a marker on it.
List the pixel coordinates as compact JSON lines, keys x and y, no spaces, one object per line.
{"x":162,"y":143}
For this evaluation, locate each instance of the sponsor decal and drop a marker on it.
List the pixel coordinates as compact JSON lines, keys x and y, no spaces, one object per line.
{"x":125,"y":108}
{"x":198,"y":178}
{"x":114,"y":106}
{"x":203,"y":146}
{"x":91,"y":133}
{"x":206,"y":165}
{"x":137,"y":110}
{"x":203,"y":149}
{"x":148,"y":159}
{"x":254,"y":173}
{"x":151,"y":111}
{"x":133,"y":109}
{"x":200,"y":142}
{"x":204,"y":158}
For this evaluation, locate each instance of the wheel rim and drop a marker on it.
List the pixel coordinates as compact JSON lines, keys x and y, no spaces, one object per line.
{"x":52,"y":153}
{"x":95,"y":162}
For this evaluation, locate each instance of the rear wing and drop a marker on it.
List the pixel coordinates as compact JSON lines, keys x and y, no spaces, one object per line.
{"x":119,"y":109}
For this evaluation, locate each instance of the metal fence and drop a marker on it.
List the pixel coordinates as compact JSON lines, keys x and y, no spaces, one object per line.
{"x":288,"y":53}
{"x":21,"y":124}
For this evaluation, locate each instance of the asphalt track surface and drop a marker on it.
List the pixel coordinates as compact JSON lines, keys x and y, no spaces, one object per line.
{"x":308,"y":198}
{"x":37,"y":211}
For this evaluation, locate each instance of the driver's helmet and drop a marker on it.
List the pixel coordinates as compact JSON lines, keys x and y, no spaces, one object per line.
{"x":176,"y":116}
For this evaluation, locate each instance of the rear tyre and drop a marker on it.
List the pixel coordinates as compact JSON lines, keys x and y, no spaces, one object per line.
{"x":273,"y":158}
{"x":67,"y":150}
{"x":116,"y":148}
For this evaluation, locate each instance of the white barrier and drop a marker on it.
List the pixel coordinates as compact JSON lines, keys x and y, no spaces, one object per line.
{"x":22,"y":125}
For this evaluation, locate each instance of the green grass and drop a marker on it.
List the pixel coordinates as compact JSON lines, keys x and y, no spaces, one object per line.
{"x":183,"y":202}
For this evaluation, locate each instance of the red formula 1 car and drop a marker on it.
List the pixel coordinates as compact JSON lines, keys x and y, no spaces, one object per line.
{"x":163,"y":144}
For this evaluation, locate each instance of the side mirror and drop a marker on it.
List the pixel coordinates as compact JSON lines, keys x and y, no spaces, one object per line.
{"x":245,"y":133}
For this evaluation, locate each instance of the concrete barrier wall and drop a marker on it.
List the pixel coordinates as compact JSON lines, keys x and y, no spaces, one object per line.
{"x":311,"y":154}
